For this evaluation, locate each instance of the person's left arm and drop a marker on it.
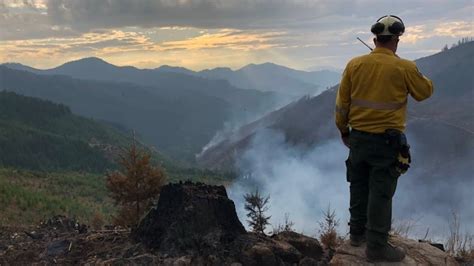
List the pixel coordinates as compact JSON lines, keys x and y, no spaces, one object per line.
{"x":343,"y":102}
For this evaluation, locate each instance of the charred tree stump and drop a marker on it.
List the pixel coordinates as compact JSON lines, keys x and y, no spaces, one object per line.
{"x":190,"y":218}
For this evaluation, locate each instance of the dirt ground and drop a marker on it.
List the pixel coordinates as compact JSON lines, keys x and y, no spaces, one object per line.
{"x":64,"y":242}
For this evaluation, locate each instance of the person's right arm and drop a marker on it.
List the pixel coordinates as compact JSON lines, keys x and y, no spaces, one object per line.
{"x":419,"y":86}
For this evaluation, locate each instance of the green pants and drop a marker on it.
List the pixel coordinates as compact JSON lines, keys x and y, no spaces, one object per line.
{"x":373,"y":180}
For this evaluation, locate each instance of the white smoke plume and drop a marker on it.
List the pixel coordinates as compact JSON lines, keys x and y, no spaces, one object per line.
{"x":303,"y":182}
{"x":300,"y":182}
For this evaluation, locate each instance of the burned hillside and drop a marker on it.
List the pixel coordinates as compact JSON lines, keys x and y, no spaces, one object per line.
{"x":193,"y":224}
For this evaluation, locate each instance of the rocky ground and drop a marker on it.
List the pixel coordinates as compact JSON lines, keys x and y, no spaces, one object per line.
{"x":193,"y":224}
{"x":56,"y":244}
{"x":418,"y":253}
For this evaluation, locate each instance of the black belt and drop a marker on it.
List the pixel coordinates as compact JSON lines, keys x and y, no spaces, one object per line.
{"x":359,"y":132}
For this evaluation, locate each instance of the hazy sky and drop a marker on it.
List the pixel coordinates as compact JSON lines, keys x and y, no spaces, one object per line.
{"x":200,"y":34}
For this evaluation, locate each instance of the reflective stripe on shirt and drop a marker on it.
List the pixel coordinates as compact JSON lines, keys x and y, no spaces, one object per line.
{"x":342,"y":111}
{"x":377,"y":105}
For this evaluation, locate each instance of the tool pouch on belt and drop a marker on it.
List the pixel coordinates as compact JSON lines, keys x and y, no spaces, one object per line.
{"x":398,"y":140}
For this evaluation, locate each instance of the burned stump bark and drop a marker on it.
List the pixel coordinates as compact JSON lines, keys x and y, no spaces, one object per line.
{"x":189,"y":219}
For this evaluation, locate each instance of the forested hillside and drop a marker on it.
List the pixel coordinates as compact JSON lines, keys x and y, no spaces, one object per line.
{"x":54,"y":162}
{"x":177,"y":122}
{"x":41,"y":135}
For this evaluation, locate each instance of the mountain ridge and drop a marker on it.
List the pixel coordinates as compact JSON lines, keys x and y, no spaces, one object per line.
{"x":289,"y":81}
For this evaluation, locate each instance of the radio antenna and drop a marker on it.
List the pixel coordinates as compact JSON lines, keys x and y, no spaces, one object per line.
{"x":371,"y":49}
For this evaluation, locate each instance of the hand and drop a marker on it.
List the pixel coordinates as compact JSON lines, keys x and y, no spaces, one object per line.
{"x":345,"y":140}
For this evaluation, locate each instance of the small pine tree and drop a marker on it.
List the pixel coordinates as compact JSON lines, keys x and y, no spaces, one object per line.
{"x":135,"y":186}
{"x":256,"y":206}
{"x":328,"y":229}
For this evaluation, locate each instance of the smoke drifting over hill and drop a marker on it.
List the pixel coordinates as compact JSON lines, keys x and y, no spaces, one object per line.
{"x":303,"y":182}
{"x":300,"y":182}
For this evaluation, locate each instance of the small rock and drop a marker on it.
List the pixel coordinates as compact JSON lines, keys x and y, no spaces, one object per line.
{"x":417,"y":254}
{"x":57,"y":247}
{"x":307,"y":261}
{"x":308,"y":246}
{"x":286,"y":252}
{"x":260,"y":255}
{"x":34,"y":235}
{"x":145,"y":259}
{"x":436,"y":245}
{"x":182,"y":261}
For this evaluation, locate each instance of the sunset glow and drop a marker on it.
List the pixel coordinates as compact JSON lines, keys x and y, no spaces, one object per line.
{"x":207,"y":34}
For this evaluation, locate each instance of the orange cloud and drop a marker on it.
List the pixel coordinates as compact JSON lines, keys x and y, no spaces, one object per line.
{"x":455,"y":29}
{"x":226,"y":38}
{"x":88,"y":44}
{"x":40,"y":4}
{"x":414,"y":34}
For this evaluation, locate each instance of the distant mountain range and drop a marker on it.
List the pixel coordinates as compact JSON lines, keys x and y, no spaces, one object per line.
{"x":262,"y":77}
{"x":272,"y":77}
{"x":96,"y":69}
{"x":173,"y":108}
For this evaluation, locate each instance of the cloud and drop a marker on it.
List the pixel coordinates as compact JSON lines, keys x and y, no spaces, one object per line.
{"x":27,"y":19}
{"x":242,"y":14}
{"x":87,"y":14}
{"x":298,"y":33}
{"x":98,"y":43}
{"x":24,"y":4}
{"x":453,"y":29}
{"x":226,"y":38}
{"x":456,"y":29}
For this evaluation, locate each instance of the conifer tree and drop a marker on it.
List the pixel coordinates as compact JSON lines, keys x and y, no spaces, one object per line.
{"x":256,"y":206}
{"x":135,"y":185}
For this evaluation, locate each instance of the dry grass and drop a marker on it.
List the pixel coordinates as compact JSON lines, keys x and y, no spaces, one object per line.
{"x":403,"y":228}
{"x":287,"y":226}
{"x":459,"y":244}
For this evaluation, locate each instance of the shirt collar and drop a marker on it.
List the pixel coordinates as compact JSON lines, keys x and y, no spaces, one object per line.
{"x":381,"y":50}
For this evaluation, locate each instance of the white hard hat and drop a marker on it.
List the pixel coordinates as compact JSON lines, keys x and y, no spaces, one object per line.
{"x":388,"y":25}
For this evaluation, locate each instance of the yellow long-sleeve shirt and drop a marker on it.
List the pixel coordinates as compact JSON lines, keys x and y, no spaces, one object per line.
{"x":373,"y":92}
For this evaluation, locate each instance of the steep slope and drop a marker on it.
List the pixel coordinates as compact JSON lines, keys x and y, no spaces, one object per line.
{"x":177,"y":122}
{"x":306,"y":122}
{"x":309,"y":121}
{"x":41,"y":135}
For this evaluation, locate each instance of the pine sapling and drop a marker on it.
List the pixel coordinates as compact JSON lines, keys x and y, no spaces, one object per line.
{"x":256,"y":205}
{"x":328,"y":229}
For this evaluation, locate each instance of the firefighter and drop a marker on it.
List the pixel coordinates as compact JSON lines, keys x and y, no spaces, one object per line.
{"x":371,"y":110}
